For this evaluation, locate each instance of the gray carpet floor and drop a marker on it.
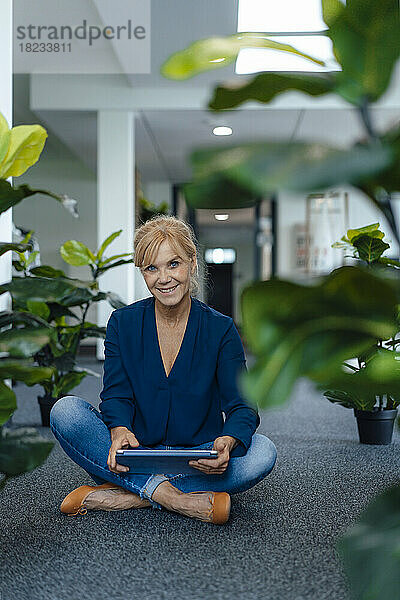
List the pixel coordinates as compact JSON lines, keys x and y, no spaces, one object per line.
{"x":278,"y":544}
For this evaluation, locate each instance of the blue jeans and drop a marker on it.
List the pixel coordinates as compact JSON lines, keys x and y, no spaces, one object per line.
{"x":86,"y":439}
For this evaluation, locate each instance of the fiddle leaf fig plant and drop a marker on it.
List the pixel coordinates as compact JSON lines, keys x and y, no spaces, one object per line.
{"x":53,"y":296}
{"x":23,"y":449}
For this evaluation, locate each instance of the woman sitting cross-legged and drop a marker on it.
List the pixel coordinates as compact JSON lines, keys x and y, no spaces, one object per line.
{"x":171,"y":369}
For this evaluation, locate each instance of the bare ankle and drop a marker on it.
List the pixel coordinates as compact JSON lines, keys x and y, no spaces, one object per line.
{"x":167,"y":495}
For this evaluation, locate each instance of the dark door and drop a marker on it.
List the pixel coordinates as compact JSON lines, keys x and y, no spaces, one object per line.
{"x":219,"y":291}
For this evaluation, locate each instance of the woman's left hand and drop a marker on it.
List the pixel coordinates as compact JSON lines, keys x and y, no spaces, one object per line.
{"x":216,"y":466}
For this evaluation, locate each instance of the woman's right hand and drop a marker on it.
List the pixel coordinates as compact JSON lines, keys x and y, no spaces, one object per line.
{"x":121,"y":437}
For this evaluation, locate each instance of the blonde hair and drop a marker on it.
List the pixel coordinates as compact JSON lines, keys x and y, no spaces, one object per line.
{"x":180,"y":235}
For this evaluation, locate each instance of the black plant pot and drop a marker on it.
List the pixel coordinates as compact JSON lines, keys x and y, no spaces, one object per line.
{"x":46,"y":403}
{"x":375,"y":426}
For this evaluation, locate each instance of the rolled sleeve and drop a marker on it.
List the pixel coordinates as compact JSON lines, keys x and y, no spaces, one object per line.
{"x":117,"y":406}
{"x":241,"y":419}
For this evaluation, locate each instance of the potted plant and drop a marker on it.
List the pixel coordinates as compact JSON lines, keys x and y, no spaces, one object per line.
{"x":22,"y":449}
{"x":54,"y":297}
{"x":375,"y":414}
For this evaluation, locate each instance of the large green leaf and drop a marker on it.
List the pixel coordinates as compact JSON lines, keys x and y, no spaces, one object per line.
{"x":46,"y":289}
{"x":7,"y":317}
{"x":297,"y":330}
{"x":380,"y":376}
{"x":24,"y":342}
{"x":218,"y":192}
{"x":216,"y":52}
{"x":265,"y":86}
{"x":8,"y":403}
{"x":366,"y":43}
{"x":264,"y":168}
{"x":370,"y":549}
{"x":22,"y":450}
{"x":24,"y":370}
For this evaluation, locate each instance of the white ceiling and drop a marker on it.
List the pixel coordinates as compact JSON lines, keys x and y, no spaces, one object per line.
{"x":164,"y":139}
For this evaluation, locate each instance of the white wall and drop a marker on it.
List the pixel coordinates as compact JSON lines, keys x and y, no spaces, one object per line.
{"x":6,"y":110}
{"x":292,"y":210}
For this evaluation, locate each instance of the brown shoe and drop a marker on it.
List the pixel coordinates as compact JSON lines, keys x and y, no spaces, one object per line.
{"x":220,"y":507}
{"x":72,"y":504}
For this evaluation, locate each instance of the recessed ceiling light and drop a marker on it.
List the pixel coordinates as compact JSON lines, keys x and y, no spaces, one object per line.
{"x":221,"y":217}
{"x":222,"y":130}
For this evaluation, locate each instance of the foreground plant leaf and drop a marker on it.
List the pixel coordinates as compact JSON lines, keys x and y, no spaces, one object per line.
{"x":266,"y":86}
{"x":216,"y":52}
{"x":296,"y":330}
{"x":370,"y":549}
{"x":253,"y":170}
{"x":22,"y":450}
{"x":366,"y":43}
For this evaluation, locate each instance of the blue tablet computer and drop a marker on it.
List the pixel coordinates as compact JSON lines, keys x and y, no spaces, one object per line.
{"x":170,"y":462}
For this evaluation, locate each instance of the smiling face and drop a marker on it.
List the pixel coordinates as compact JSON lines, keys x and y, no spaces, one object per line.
{"x":168,"y":272}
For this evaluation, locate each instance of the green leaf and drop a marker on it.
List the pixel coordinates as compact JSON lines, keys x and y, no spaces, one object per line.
{"x":106,"y":243}
{"x":216,"y":191}
{"x":366,"y":43}
{"x":5,"y":135}
{"x":350,"y":400}
{"x":24,"y":370}
{"x":369,"y":248}
{"x":38,"y":308}
{"x":264,"y":168}
{"x":8,"y":403}
{"x":370,"y":550}
{"x":216,"y":52}
{"x":114,"y":299}
{"x":68,"y":382}
{"x":43,"y":289}
{"x":381,"y":376}
{"x":16,"y":247}
{"x":24,"y":342}
{"x":295,"y":330}
{"x":266,"y":86}
{"x":48,"y":271}
{"x":115,"y":257}
{"x":372,"y":230}
{"x":26,"y":143}
{"x":22,"y":450}
{"x":77,"y":254}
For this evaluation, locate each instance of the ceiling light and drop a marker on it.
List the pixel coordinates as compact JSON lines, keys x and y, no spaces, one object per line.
{"x":221,"y":217}
{"x":222,"y":130}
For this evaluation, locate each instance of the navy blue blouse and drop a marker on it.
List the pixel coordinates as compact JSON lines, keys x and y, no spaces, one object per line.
{"x":185,"y":408}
